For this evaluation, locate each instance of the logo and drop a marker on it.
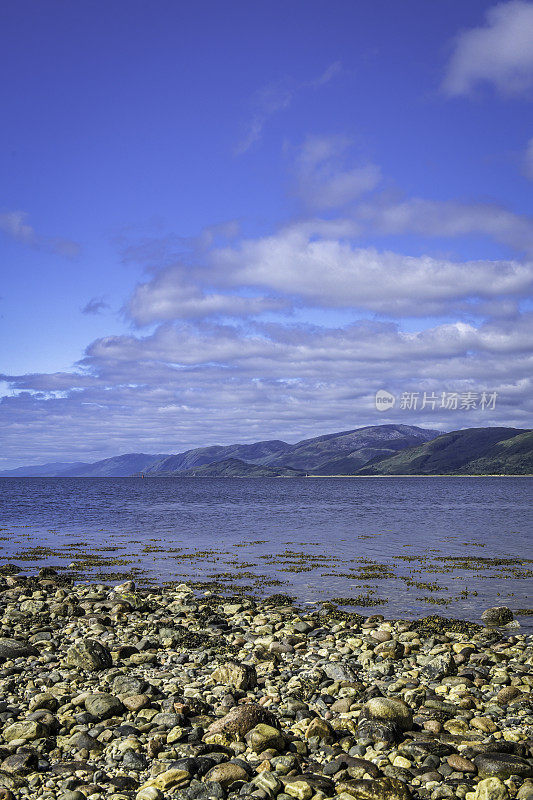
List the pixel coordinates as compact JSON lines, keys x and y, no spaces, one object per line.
{"x":384,"y":400}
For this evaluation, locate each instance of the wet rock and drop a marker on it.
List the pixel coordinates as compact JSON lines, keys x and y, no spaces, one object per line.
{"x":89,"y":655}
{"x":498,"y":615}
{"x":502,"y":765}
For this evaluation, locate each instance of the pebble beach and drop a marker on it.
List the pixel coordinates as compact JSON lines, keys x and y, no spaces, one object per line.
{"x":124,"y":692}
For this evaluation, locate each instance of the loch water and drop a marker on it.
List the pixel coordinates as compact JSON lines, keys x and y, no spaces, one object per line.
{"x":403,"y":547}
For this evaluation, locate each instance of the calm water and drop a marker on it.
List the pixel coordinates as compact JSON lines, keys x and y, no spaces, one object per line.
{"x":416,"y":546}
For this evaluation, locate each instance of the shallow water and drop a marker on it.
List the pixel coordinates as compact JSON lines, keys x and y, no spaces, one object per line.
{"x":412,"y":546}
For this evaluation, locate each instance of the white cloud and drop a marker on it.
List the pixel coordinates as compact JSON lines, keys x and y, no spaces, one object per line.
{"x":323,"y":179}
{"x":15,"y":225}
{"x":336,"y":274}
{"x":171,"y":295}
{"x":188,"y":386}
{"x":499,"y":53}
{"x":451,"y":218}
{"x":276,"y":97}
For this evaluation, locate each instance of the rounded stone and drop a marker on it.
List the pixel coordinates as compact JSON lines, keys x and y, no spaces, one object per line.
{"x":89,"y":655}
{"x":497,"y":615}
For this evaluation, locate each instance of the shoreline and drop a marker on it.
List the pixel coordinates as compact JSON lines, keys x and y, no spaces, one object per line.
{"x":254,"y":477}
{"x":132,"y":693}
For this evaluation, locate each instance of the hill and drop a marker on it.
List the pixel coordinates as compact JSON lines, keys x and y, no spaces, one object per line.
{"x":116,"y":467}
{"x":321,"y":455}
{"x":343,"y":453}
{"x":257,"y":453}
{"x":373,"y":450}
{"x":51,"y":470}
{"x":509,"y":457}
{"x":235,"y":468}
{"x":465,"y":452}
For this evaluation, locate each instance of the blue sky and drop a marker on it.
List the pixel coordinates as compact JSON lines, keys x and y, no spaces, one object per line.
{"x":230,"y":221}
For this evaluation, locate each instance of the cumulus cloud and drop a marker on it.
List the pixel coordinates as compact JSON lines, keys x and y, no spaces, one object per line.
{"x":498,"y":53}
{"x":446,"y":219}
{"x":95,"y":306}
{"x":188,"y":385}
{"x":334,"y":273}
{"x":171,"y":295}
{"x":221,"y":364}
{"x":323,"y":178}
{"x":15,"y":225}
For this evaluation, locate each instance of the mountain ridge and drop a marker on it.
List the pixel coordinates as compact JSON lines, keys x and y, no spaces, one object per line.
{"x":470,"y":451}
{"x":371,"y":450}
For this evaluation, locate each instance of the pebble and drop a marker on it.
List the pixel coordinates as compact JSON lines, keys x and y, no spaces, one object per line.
{"x":152,"y":693}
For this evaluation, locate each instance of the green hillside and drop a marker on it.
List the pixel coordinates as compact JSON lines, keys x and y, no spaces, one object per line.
{"x":466,"y":452}
{"x":235,"y":468}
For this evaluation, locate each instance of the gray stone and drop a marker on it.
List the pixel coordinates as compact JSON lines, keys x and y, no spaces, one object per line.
{"x":12,"y":648}
{"x":89,"y":655}
{"x":337,"y":671}
{"x":103,"y":706}
{"x":440,"y":666}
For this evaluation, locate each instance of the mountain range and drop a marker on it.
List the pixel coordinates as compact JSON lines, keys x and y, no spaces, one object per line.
{"x":373,"y":450}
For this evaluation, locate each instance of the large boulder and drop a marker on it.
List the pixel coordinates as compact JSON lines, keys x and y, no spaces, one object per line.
{"x":90,"y":655}
{"x":498,"y":615}
{"x":502,"y":765}
{"x":12,"y":648}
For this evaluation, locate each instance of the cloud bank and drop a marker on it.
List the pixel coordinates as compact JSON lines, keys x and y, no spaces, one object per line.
{"x":498,"y":53}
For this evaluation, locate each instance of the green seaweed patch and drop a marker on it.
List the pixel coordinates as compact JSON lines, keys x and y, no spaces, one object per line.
{"x":362,"y":600}
{"x":435,"y":601}
{"x":436,"y":624}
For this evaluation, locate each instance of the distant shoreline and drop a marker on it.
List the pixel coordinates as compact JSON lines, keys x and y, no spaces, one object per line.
{"x":248,"y":477}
